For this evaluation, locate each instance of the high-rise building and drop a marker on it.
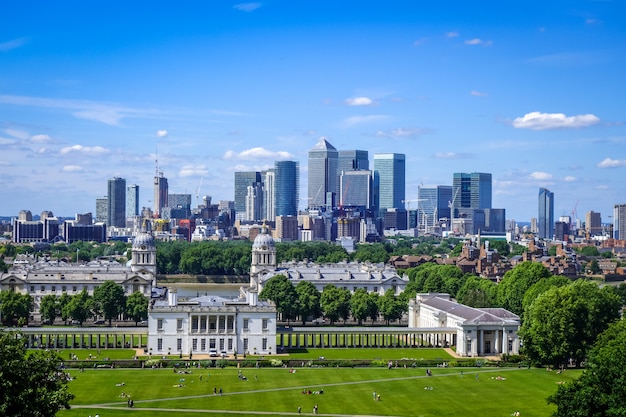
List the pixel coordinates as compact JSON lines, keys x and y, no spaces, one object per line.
{"x":242,"y":180}
{"x":132,"y":200}
{"x":355,"y":189}
{"x":160,"y":193}
{"x":323,"y":174}
{"x":619,"y":221}
{"x":432,"y":205}
{"x":179,"y":201}
{"x":353,"y":160}
{"x":254,"y":202}
{"x":389,"y":180}
{"x":286,"y":186}
{"x":545,"y":221}
{"x":102,"y":209}
{"x":269,"y":193}
{"x":593,"y":223}
{"x":471,"y":190}
{"x":116,"y":203}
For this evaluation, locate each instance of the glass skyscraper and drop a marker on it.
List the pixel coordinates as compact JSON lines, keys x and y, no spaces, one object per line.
{"x":471,"y":190}
{"x":116,"y":202}
{"x":619,"y":221}
{"x":286,"y":185}
{"x":545,"y":222}
{"x":323,"y":174}
{"x":242,"y":181}
{"x":354,"y":160}
{"x":132,"y":200}
{"x":355,"y":189}
{"x":432,"y":205}
{"x":389,"y":180}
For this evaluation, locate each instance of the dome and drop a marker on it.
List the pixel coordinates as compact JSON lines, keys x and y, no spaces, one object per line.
{"x":263,"y":240}
{"x":143,"y":240}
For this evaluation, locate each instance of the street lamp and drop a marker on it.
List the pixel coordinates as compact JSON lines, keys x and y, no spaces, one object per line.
{"x":77,"y":250}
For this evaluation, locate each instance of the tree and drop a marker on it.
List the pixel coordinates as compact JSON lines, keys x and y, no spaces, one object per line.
{"x":477,"y":292}
{"x":31,"y":384}
{"x":601,"y":390}
{"x":563,"y":323}
{"x":515,"y":282}
{"x":49,"y":308}
{"x":79,"y":307}
{"x":590,"y":251}
{"x":137,"y":307}
{"x":542,"y":286}
{"x":594,"y":267}
{"x":390,"y":307}
{"x":361,"y":305}
{"x":374,"y":301}
{"x":280,"y":290}
{"x":109,"y":299}
{"x":15,"y":307}
{"x":64,"y":300}
{"x":335,"y":303}
{"x":308,"y":301}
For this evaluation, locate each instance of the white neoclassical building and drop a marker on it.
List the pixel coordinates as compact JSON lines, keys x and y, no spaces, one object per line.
{"x":350,"y":276}
{"x":214,"y":325}
{"x":43,"y":276}
{"x":475,"y":331}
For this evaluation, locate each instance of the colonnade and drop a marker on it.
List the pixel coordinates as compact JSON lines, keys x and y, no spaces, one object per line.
{"x":101,"y":338}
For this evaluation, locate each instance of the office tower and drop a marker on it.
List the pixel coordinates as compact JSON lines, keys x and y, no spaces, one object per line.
{"x":389,"y":180}
{"x":495,"y":221}
{"x":355,"y":189}
{"x":593,"y":223}
{"x":545,"y":221}
{"x":179,"y":201}
{"x":471,"y":190}
{"x":254,"y":202}
{"x":353,"y":160}
{"x":132,"y":200}
{"x":102,"y":209}
{"x":269,"y":192}
{"x":561,"y":230}
{"x":286,"y":228}
{"x":242,"y":180}
{"x":116,"y":203}
{"x":323,"y":174}
{"x":286,"y":186}
{"x":160,"y":193}
{"x":432,"y":205}
{"x":619,"y":221}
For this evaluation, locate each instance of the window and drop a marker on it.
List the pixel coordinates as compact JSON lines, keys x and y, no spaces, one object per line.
{"x":264,"y":347}
{"x":230,"y":323}
{"x":375,"y":289}
{"x":203,"y":344}
{"x":211,"y":343}
{"x":221,"y":345}
{"x":246,"y":324}
{"x":179,"y":324}
{"x":179,"y":344}
{"x":54,"y":288}
{"x":159,"y":324}
{"x":194,"y":343}
{"x":74,"y":288}
{"x":264,"y":324}
{"x":32,"y":288}
{"x":245,"y":344}
{"x":230,"y":345}
{"x":43,"y":288}
{"x":64,"y":288}
{"x":159,"y":344}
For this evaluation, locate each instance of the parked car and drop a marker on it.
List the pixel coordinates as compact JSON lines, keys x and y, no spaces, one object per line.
{"x":213,"y":352}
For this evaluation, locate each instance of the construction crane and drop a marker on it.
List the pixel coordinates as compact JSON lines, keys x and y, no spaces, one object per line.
{"x":451,"y":207}
{"x":198,"y":192}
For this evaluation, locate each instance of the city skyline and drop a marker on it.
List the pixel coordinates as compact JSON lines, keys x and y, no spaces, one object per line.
{"x":529,"y":94}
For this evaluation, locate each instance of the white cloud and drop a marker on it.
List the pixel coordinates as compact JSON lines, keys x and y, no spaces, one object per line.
{"x":540,"y":176}
{"x":601,"y":187}
{"x":257,"y":153}
{"x":84,"y":149}
{"x":16,"y":133}
{"x":401,"y":133}
{"x":355,"y":120}
{"x":104,"y":113}
{"x":193,"y":171}
{"x":7,"y":141}
{"x":569,"y":178}
{"x":72,"y":168}
{"x":453,"y":155}
{"x":161,"y":133}
{"x":452,"y":34}
{"x":358,"y":101}
{"x":12,"y":44}
{"x":477,"y":41}
{"x":478,"y":94}
{"x":420,"y":41}
{"x":40,"y":138}
{"x":611,"y":163}
{"x":247,"y":7}
{"x":542,"y":121}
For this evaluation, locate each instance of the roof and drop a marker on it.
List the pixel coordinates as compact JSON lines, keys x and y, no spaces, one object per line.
{"x":471,"y":315}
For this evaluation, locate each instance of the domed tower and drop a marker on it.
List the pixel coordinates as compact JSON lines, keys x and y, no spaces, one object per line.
{"x":263,"y":256}
{"x":144,"y":254}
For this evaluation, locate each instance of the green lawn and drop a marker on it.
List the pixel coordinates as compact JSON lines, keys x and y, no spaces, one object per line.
{"x":371,"y":353}
{"x":347,"y":391}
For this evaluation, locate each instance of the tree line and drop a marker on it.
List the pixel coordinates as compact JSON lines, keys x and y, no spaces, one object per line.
{"x":108,"y":301}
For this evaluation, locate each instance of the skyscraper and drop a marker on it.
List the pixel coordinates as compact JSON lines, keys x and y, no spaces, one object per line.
{"x":323,"y":174}
{"x":545,"y":222}
{"x":269,"y":193}
{"x":619,"y":221}
{"x":593,"y":223}
{"x":116,"y":202}
{"x":432,"y":205}
{"x":389,"y":180}
{"x":353,"y":160}
{"x":471,"y":190}
{"x":242,"y":180}
{"x":286,"y":185}
{"x":160,"y":193}
{"x":355,"y":189}
{"x":102,"y":209}
{"x":132,"y":200}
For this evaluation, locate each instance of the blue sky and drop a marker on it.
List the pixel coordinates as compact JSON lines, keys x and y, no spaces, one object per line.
{"x":532,"y":92}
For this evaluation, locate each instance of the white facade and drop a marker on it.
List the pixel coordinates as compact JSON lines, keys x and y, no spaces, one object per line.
{"x":479,"y":331}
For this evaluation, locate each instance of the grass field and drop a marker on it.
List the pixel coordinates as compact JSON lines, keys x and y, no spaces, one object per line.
{"x":449,"y":392}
